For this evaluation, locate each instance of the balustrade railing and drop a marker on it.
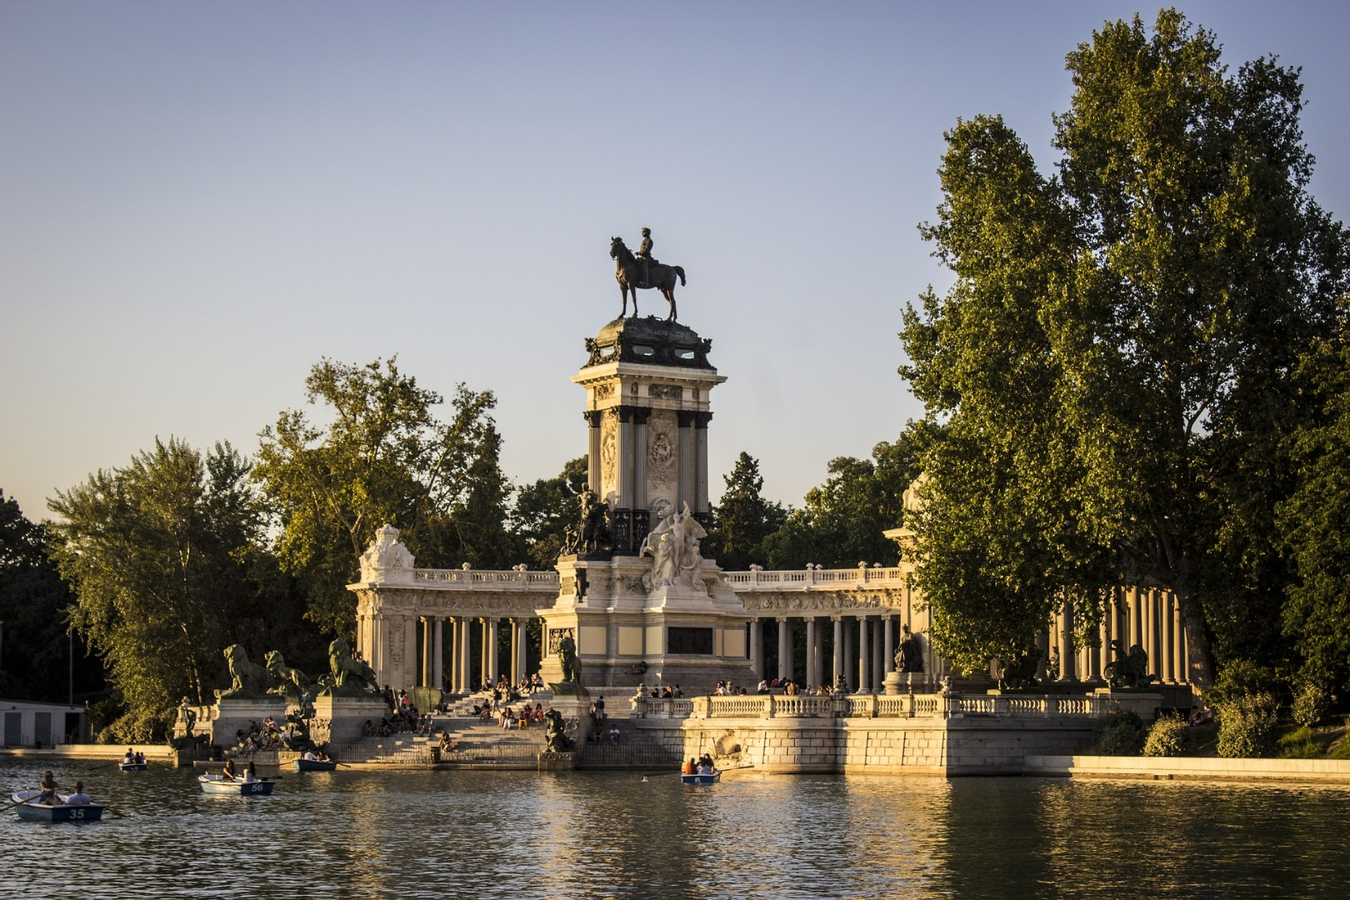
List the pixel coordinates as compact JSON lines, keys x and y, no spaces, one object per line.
{"x":883,"y":706}
{"x":489,"y":577}
{"x":804,"y":579}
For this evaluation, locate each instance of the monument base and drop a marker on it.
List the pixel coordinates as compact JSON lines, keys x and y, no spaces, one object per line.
{"x":230,"y":717}
{"x":342,"y":720}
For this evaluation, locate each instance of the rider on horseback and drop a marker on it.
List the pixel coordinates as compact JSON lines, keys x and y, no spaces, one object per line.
{"x":645,"y":254}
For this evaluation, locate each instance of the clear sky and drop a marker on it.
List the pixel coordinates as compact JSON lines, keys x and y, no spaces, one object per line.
{"x":198,"y":201}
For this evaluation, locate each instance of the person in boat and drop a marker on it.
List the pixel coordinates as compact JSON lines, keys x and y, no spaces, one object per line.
{"x":228,"y":773}
{"x":311,"y":755}
{"x":140,"y":759}
{"x":129,"y":758}
{"x":689,"y":767}
{"x":79,"y":798}
{"x":250,"y":773}
{"x":47,"y":787}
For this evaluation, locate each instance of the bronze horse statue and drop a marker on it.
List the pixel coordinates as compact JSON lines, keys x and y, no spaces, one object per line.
{"x":628,"y":272}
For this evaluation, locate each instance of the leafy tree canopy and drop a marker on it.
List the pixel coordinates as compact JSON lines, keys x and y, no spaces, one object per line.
{"x":1115,"y":338}
{"x":843,"y":521}
{"x":384,"y":458}
{"x":546,"y":509}
{"x":161,"y":556}
{"x":743,"y":519}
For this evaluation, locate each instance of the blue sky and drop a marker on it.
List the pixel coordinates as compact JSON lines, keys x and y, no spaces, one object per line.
{"x":199,"y":201}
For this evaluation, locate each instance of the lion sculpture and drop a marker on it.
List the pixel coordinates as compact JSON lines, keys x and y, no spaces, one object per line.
{"x":290,"y":683}
{"x":348,"y":676}
{"x":248,"y":680}
{"x":556,"y":733}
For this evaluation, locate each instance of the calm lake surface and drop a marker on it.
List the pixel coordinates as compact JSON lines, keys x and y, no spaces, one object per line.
{"x":595,"y":835}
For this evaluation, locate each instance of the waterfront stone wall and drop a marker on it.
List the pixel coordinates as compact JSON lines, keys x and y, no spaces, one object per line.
{"x":919,"y":746}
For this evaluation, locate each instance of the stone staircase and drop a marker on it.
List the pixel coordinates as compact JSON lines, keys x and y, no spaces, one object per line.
{"x":478,"y":744}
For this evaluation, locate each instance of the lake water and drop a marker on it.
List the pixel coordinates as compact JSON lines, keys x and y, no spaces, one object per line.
{"x":596,"y":835}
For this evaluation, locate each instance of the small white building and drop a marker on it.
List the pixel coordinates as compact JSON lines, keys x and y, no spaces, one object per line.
{"x":39,"y":725}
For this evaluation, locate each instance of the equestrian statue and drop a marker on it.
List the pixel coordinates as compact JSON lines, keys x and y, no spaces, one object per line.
{"x":643,"y":271}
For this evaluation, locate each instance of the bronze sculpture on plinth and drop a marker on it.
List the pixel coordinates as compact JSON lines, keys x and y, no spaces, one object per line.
{"x":633,"y":273}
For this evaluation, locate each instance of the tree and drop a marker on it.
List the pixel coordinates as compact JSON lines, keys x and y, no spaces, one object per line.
{"x":546,"y":509}
{"x":843,"y":521}
{"x":1116,"y":337}
{"x":1315,"y":523}
{"x":161,"y":557}
{"x":384,"y":459}
{"x":744,"y":518}
{"x":35,"y":648}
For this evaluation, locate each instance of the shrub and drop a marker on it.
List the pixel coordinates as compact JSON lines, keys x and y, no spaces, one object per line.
{"x":1240,"y":678}
{"x":1311,"y":704}
{"x":1167,"y":737}
{"x":1119,"y":733}
{"x":1247,"y":726}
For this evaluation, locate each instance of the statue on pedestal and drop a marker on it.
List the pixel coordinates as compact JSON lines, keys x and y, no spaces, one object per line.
{"x":643,"y":271}
{"x":348,"y":676}
{"x":248,"y":680}
{"x":909,"y":656}
{"x":556,"y":733}
{"x":674,"y":547}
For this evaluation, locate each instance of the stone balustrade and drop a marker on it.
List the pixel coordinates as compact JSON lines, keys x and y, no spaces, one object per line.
{"x":873,"y":706}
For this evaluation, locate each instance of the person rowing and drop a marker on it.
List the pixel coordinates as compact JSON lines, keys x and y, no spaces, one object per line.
{"x":228,"y":773}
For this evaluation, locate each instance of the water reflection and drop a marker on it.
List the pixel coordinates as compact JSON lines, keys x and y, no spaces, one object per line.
{"x":574,"y":835}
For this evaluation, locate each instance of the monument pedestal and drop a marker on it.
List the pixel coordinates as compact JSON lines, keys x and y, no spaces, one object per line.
{"x":230,"y":716}
{"x":342,"y":720}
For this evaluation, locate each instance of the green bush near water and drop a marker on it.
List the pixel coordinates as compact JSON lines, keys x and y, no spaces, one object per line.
{"x":1247,"y":725}
{"x":1119,"y":733}
{"x":1167,"y":737}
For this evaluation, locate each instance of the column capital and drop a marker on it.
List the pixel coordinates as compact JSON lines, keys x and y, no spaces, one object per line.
{"x":593,"y":417}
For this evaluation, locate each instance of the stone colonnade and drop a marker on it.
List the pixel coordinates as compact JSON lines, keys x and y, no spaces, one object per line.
{"x":853,"y":649}
{"x":1147,"y":617}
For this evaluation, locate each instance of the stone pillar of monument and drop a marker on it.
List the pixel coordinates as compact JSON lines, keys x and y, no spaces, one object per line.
{"x":784,"y":648}
{"x":637,"y":595}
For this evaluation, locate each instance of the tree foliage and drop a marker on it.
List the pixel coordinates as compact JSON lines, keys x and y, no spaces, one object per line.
{"x":842,"y":521}
{"x":35,"y":649}
{"x":546,"y":509}
{"x":743,"y":519}
{"x":1117,"y":338}
{"x":162,"y":558}
{"x":384,"y":458}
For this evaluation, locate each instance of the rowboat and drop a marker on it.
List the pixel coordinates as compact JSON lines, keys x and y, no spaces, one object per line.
{"x":26,"y":805}
{"x":219,"y":784}
{"x":712,"y":778}
{"x":315,"y":765}
{"x":133,"y":766}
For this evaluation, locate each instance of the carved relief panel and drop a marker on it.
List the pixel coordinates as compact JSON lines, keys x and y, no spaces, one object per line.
{"x":662,"y":450}
{"x":609,"y":454}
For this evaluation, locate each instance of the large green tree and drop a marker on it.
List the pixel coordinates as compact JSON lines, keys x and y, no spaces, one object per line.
{"x":1314,"y":522}
{"x":35,"y":648}
{"x":842,"y":521}
{"x":163,"y":557}
{"x":1114,"y":339}
{"x":546,"y":509}
{"x":383,"y":458}
{"x":743,"y":518}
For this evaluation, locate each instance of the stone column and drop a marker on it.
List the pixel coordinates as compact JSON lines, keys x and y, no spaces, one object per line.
{"x":1150,"y":619}
{"x":701,"y":508}
{"x":640,"y":414}
{"x":1166,"y":669}
{"x":888,"y":646}
{"x":838,"y":669}
{"x":812,"y":649}
{"x":424,"y":627}
{"x":850,"y":652}
{"x":864,"y":656}
{"x":593,"y":476}
{"x":687,"y":479}
{"x":1066,"y":668}
{"x":784,"y":648}
{"x":438,"y":655}
{"x":465,"y":634}
{"x":1136,"y":606}
{"x":878,"y":658}
{"x":757,"y":647}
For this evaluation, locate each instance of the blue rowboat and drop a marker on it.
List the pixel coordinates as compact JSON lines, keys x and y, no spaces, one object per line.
{"x":712,"y":778}
{"x":315,"y":765}
{"x":27,"y":806}
{"x":133,"y":766}
{"x":219,"y":784}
